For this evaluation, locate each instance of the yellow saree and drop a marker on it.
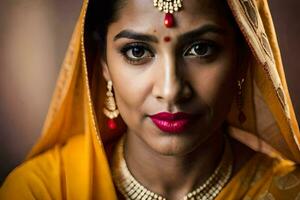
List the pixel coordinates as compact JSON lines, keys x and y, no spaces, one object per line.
{"x":70,"y":161}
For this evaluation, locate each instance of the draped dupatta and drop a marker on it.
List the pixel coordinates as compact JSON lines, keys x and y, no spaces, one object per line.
{"x":78,"y":99}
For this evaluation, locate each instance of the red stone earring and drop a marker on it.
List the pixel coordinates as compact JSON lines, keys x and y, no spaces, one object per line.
{"x":110,"y":110}
{"x":168,"y":7}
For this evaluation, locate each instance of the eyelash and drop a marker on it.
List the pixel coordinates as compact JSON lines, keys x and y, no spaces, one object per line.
{"x":147,"y":52}
{"x":137,"y":60}
{"x":211,"y":49}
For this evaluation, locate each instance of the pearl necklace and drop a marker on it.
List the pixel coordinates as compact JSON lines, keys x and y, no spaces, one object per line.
{"x":131,"y":189}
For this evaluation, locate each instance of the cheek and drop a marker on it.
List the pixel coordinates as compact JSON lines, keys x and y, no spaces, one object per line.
{"x":215,"y":85}
{"x":130,"y":86}
{"x":219,"y":84}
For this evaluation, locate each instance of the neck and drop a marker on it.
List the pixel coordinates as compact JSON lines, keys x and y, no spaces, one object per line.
{"x":173,"y":176}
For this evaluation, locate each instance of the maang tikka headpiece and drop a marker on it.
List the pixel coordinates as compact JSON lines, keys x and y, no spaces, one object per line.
{"x":168,"y":7}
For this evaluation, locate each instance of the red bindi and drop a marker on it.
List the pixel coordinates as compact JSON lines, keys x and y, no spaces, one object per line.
{"x":167,"y":39}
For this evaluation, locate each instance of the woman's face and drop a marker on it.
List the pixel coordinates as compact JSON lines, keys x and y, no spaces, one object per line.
{"x":190,"y":69}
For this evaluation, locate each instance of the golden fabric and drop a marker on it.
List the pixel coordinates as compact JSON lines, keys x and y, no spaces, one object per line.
{"x":59,"y":174}
{"x":69,"y":162}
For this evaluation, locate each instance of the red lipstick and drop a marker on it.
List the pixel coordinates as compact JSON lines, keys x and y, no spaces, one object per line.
{"x":171,"y":122}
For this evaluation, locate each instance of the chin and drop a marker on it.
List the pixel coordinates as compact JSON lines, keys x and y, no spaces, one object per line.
{"x":175,"y":145}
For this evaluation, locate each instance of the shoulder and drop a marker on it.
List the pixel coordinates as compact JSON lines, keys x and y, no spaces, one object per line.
{"x":40,"y":177}
{"x":283,"y":180}
{"x":31,"y":179}
{"x":266,"y":177}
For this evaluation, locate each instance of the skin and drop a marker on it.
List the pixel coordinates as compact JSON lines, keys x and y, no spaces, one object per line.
{"x":173,"y":77}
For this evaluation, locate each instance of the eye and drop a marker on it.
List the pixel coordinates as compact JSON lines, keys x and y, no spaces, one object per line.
{"x":137,"y":53}
{"x":201,"y":49}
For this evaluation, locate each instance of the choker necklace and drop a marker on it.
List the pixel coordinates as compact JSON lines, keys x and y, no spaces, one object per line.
{"x":131,"y":189}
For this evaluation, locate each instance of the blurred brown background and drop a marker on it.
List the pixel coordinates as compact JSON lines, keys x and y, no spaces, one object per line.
{"x":33,"y":39}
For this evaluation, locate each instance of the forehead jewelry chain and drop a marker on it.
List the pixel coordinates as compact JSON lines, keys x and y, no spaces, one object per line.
{"x":168,"y":7}
{"x":131,"y":189}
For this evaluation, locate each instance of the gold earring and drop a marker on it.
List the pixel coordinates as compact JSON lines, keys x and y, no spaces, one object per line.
{"x":242,"y":117}
{"x":110,"y":110}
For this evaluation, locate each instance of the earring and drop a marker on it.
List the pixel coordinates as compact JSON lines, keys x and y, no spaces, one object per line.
{"x":110,"y":110}
{"x":242,"y":117}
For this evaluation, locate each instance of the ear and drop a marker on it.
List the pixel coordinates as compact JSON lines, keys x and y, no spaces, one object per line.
{"x":105,"y":71}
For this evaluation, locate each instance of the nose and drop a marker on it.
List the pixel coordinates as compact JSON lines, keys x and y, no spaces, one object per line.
{"x":170,"y":86}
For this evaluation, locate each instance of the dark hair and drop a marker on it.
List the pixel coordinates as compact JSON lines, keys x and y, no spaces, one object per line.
{"x":99,"y":15}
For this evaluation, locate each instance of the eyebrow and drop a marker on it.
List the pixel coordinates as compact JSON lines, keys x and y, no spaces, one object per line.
{"x":208,"y":28}
{"x":130,"y":34}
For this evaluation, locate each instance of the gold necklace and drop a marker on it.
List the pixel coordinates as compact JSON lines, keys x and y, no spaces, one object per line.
{"x":131,"y":189}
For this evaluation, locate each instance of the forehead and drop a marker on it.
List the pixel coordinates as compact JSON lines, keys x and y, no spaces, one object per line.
{"x":141,"y":14}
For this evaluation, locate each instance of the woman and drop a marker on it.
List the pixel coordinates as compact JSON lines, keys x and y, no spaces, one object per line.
{"x":188,"y":103}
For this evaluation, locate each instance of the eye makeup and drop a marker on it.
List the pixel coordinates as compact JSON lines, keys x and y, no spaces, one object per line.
{"x":137,"y":53}
{"x":202,"y":49}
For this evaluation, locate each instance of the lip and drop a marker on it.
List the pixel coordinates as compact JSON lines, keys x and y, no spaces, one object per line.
{"x":172,"y":122}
